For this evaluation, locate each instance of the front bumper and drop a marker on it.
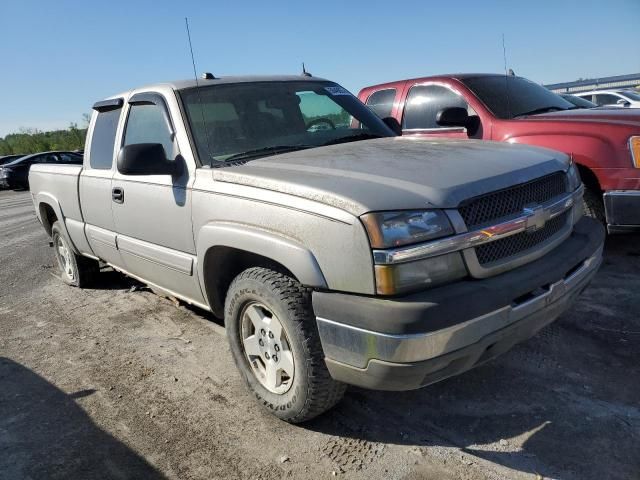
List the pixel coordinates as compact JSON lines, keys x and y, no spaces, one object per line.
{"x":409,"y":342}
{"x":622,"y":209}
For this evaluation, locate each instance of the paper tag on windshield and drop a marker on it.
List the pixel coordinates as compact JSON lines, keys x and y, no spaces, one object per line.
{"x":337,"y":91}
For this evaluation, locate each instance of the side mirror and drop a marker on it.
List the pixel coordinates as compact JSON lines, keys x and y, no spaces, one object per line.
{"x":623,"y":103}
{"x":145,"y":159}
{"x":393,"y":124}
{"x":453,"y":117}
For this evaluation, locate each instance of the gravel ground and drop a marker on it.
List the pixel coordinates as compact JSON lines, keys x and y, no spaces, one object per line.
{"x":117,"y":382}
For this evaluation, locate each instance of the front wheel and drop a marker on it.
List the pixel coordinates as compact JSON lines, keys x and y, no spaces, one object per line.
{"x":275,"y":344}
{"x":75,"y":269}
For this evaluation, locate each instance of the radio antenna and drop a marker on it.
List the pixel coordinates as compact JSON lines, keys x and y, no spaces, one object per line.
{"x":506,"y":76}
{"x":195,"y":75}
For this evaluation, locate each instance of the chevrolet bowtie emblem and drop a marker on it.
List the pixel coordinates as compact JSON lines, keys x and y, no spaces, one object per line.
{"x":537,"y":217}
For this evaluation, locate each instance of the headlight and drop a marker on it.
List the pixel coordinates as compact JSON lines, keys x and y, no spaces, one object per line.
{"x":574,"y":176}
{"x":394,"y":229}
{"x":4,"y":173}
{"x":634,"y":147}
{"x":400,"y":228}
{"x":419,"y":274}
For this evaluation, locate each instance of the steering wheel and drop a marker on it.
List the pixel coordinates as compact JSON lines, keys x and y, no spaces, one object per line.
{"x":321,"y":121}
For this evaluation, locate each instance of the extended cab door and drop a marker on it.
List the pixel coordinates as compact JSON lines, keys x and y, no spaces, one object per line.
{"x":95,"y":181}
{"x":152,"y":213}
{"x":422,"y":103}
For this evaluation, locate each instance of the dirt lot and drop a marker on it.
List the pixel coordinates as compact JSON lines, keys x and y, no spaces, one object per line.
{"x":116,"y":382}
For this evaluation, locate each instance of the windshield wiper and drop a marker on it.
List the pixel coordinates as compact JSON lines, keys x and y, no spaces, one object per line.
{"x":265,"y":151}
{"x":352,"y":138}
{"x":541,"y":110}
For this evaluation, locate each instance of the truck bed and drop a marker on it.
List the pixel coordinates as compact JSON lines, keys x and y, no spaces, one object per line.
{"x":57,"y":183}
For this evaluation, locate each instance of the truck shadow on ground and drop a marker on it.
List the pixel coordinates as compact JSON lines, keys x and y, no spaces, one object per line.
{"x":109,"y":279}
{"x":560,"y":405}
{"x":45,"y":434}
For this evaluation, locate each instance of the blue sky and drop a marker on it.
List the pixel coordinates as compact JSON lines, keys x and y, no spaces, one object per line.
{"x":59,"y":56}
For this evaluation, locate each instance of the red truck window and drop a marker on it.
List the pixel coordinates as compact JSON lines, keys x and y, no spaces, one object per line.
{"x":381,"y":102}
{"x":423,"y":104}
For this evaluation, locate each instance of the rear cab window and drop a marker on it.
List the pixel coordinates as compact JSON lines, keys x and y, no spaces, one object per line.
{"x":381,"y":102}
{"x":103,"y":136}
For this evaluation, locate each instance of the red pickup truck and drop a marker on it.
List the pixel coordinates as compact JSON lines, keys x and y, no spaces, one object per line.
{"x":604,"y":143}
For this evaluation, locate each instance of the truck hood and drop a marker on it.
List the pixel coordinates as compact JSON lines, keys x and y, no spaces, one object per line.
{"x":396,"y":173}
{"x":629,"y":117}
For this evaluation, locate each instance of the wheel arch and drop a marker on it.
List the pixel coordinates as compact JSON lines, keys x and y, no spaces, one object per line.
{"x":589,"y":178}
{"x":48,"y":216}
{"x":225,"y":249}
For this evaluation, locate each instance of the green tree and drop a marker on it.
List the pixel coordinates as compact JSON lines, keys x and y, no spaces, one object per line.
{"x":31,"y":140}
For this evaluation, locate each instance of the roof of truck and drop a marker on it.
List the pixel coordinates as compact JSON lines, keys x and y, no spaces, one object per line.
{"x":190,"y":83}
{"x":206,"y":82}
{"x":454,"y":76}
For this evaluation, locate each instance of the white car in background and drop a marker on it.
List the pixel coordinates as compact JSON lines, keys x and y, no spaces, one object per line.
{"x":612,"y":98}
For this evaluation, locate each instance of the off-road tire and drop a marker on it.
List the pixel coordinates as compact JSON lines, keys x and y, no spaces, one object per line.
{"x":593,"y":205}
{"x":84,"y":269}
{"x":313,"y":391}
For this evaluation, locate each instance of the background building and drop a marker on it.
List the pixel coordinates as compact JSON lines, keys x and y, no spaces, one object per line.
{"x":615,"y":82}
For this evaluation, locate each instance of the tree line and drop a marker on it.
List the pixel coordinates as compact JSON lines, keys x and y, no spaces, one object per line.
{"x":31,"y":140}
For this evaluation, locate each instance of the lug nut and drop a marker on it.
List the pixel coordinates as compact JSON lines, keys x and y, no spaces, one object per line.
{"x":276,"y":347}
{"x":261,"y":343}
{"x":266,"y":355}
{"x":270,"y":334}
{"x":262,"y":332}
{"x":275,"y":358}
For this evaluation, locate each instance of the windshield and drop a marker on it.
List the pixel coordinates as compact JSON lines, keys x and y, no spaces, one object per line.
{"x":630,"y":95}
{"x":509,"y":97}
{"x":247,"y":120}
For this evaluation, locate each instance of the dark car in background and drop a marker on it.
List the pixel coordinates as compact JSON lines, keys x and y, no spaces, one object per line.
{"x":9,"y":158}
{"x":15,"y":173}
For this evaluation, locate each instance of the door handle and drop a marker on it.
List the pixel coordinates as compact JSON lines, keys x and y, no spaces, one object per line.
{"x":117,"y":194}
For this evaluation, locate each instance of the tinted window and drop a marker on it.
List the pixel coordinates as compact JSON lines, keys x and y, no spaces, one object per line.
{"x":103,"y":138}
{"x":69,"y":158}
{"x":381,"y":102}
{"x":607,"y":99}
{"x":578,"y":101}
{"x":509,"y":97}
{"x":147,"y":123}
{"x":587,"y":97}
{"x":48,"y":158}
{"x":321,"y":112}
{"x":425,"y":101}
{"x":630,"y":95}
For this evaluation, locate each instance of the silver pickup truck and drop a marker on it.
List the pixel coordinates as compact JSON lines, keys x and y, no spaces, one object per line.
{"x":336,"y":251}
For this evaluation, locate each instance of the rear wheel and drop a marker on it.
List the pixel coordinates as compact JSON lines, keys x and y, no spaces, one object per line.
{"x":75,"y":269}
{"x":275,"y":344}
{"x":593,"y":205}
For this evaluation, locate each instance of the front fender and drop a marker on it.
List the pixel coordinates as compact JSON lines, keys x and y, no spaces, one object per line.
{"x":284,"y":250}
{"x":592,"y":151}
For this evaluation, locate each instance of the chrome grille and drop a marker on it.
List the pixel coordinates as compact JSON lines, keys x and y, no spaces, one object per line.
{"x":510,"y":201}
{"x":520,"y":242}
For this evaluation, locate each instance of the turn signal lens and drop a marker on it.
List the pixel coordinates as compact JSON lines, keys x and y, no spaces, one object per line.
{"x":634,"y":147}
{"x":419,"y":274}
